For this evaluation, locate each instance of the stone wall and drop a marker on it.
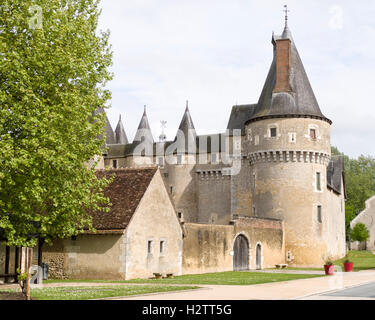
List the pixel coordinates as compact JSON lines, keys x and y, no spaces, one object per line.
{"x":209,"y":248}
{"x":283,"y":176}
{"x":156,"y":221}
{"x":367,"y":217}
{"x":90,"y":256}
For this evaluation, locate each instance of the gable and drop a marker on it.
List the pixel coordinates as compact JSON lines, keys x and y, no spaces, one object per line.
{"x":125,"y":193}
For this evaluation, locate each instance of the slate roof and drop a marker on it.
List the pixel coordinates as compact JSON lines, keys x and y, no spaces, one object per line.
{"x":120,"y":134}
{"x":125,"y":194}
{"x":188,"y":130}
{"x":335,"y":171}
{"x":239,"y":115}
{"x":301,"y":102}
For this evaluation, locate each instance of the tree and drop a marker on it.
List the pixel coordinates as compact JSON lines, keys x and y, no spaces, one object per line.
{"x":360,"y":183}
{"x":360,"y":233}
{"x":53,"y":71}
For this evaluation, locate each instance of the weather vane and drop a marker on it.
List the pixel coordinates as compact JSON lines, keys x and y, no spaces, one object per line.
{"x":286,"y":13}
{"x":163,"y":137}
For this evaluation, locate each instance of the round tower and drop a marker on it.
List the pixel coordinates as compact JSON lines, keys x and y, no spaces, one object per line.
{"x":288,"y":148}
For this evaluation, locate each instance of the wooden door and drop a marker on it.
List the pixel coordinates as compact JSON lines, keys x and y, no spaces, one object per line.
{"x":241,"y":254}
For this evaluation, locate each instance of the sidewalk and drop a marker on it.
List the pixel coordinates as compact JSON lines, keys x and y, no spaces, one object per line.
{"x":295,"y":289}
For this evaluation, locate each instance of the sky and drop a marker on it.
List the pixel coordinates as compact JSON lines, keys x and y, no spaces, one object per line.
{"x":217,"y":53}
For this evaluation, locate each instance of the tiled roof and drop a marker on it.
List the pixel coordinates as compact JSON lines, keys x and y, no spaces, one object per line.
{"x":125,"y":192}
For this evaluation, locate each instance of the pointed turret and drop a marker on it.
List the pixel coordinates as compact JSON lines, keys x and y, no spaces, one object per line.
{"x":120,"y":134}
{"x":287,"y":91}
{"x":109,"y":134}
{"x":187,"y":129}
{"x":144,"y":130}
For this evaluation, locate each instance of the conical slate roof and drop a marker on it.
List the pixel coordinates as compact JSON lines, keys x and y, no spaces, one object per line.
{"x":186,"y":132}
{"x":144,"y":130}
{"x":109,"y":134}
{"x":120,"y":134}
{"x":300,"y":102}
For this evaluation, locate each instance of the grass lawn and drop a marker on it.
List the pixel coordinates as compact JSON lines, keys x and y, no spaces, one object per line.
{"x":362,"y":260}
{"x":218,"y":278}
{"x":85,"y":293}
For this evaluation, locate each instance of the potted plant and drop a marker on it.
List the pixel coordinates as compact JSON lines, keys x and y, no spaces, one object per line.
{"x":329,"y":267}
{"x":348,"y":265}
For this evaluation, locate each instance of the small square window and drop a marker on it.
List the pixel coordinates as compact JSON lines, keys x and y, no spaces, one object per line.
{"x":273,"y":132}
{"x":313,"y":134}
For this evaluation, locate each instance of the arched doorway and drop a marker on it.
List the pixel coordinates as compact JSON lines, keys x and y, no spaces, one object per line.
{"x":241,"y":254}
{"x":258,"y":255}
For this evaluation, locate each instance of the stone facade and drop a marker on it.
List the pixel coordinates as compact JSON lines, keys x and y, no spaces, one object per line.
{"x":125,"y":254}
{"x":367,"y":217}
{"x":210,"y":248}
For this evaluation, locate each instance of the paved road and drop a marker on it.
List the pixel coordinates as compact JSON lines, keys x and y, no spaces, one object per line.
{"x":362,"y":292}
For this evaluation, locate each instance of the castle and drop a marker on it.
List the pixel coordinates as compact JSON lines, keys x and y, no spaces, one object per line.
{"x":265,"y":192}
{"x":285,"y":170}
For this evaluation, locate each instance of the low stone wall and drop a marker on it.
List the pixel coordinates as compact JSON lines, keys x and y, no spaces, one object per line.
{"x":209,"y":248}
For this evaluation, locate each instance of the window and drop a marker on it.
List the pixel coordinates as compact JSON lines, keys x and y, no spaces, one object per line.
{"x":150,"y":245}
{"x":162,"y":246}
{"x":165,"y":174}
{"x":313,"y":134}
{"x":114,"y":164}
{"x":256,"y":140}
{"x":171,"y":189}
{"x":273,"y":132}
{"x":319,"y":214}
{"x":179,"y":214}
{"x":318,"y":184}
{"x":213,"y":158}
{"x":292,"y":137}
{"x":179,"y":159}
{"x":161,"y":161}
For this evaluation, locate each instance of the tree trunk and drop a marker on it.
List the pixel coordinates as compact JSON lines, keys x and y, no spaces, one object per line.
{"x":7,"y":260}
{"x":28,"y":264}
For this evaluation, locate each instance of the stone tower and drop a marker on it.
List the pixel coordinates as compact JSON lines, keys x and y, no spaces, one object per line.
{"x":287,"y":144}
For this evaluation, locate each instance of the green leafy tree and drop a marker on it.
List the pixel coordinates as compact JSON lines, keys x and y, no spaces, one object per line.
{"x":360,"y":233}
{"x":360,"y":183}
{"x":53,"y":70}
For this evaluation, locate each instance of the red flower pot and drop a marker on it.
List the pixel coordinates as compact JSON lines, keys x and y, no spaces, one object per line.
{"x":348,"y":266}
{"x":329,"y":269}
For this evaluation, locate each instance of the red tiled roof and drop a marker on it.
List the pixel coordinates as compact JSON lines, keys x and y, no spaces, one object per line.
{"x":125,"y":193}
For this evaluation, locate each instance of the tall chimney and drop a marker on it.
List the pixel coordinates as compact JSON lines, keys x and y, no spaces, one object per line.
{"x":283,"y":62}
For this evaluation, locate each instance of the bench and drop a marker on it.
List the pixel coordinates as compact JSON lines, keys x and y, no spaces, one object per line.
{"x":281,"y":266}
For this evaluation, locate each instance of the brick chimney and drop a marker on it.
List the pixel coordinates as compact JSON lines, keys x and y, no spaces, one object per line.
{"x":283,"y":62}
